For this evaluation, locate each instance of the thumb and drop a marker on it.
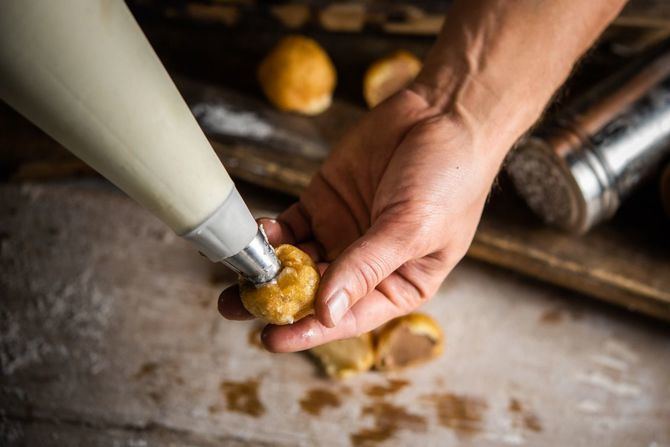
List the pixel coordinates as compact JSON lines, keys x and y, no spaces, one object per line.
{"x":360,"y":268}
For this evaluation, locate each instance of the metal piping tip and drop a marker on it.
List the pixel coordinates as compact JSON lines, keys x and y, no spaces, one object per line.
{"x":257,"y":262}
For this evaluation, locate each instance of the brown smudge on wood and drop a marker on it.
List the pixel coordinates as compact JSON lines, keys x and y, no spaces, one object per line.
{"x":551,"y":316}
{"x":532,"y":422}
{"x":317,"y":399}
{"x":463,"y":414}
{"x":523,"y":417}
{"x":370,"y":436}
{"x":254,"y":338}
{"x":146,"y":369}
{"x":393,"y":386}
{"x":515,"y":406}
{"x":388,"y":419}
{"x":242,"y":397}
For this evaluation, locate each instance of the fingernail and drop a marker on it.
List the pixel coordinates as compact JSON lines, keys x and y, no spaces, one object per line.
{"x":337,"y":305}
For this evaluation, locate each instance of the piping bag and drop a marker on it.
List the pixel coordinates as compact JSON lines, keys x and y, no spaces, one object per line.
{"x":83,"y":71}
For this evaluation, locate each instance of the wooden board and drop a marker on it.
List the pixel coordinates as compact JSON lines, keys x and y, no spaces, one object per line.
{"x":110,"y":336}
{"x":423,"y":17}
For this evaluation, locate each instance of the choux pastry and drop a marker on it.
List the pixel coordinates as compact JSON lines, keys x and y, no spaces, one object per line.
{"x":344,"y":358}
{"x":290,"y":296}
{"x":298,"y":76}
{"x":408,"y":341}
{"x":388,"y":75}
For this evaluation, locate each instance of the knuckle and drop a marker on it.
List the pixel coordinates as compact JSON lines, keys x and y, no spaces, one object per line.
{"x":371,"y":271}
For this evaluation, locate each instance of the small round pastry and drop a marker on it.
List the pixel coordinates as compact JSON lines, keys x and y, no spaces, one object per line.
{"x":345,"y":358}
{"x":388,"y":75}
{"x":290,"y":296}
{"x":408,"y":341}
{"x":298,"y":76}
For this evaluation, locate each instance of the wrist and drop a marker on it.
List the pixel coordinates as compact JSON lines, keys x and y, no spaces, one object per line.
{"x":495,"y":120}
{"x":496,"y":64}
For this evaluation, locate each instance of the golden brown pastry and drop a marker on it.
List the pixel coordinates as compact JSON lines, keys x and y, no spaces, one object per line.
{"x":290,"y":296}
{"x":298,"y":76}
{"x":344,"y":358}
{"x":407,"y":341}
{"x":388,"y":75}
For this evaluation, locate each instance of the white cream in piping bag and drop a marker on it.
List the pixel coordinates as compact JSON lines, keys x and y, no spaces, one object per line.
{"x":83,"y":71}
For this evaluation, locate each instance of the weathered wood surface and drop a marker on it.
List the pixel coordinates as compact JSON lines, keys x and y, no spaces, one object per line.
{"x":110,"y":336}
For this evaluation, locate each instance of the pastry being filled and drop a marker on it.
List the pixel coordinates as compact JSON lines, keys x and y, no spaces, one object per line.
{"x":290,"y":296}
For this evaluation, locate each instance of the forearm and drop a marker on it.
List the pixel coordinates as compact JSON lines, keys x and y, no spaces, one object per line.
{"x":497,"y":63}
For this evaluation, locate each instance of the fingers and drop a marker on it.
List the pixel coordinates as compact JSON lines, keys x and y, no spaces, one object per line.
{"x":296,"y":219}
{"x":277,"y":232}
{"x":313,"y":249}
{"x":358,"y":270}
{"x":366,"y":315}
{"x":230,"y":305}
{"x":292,"y":227}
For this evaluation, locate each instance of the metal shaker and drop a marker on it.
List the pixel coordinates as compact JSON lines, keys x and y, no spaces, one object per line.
{"x":575,"y":170}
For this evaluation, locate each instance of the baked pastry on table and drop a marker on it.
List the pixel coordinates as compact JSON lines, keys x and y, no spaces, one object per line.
{"x":298,"y":76}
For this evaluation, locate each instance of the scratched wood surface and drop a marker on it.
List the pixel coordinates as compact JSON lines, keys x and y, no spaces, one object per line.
{"x":110,"y":336}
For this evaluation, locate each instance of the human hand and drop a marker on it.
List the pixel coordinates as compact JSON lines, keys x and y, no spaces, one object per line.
{"x":388,"y":215}
{"x":396,"y":204}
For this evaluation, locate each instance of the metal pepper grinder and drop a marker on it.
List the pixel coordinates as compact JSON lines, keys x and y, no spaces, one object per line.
{"x":575,"y":170}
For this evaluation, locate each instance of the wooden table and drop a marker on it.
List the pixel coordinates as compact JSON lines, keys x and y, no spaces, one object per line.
{"x":109,"y":335}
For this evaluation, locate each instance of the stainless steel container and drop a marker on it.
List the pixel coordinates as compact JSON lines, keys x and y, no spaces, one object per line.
{"x":575,"y":170}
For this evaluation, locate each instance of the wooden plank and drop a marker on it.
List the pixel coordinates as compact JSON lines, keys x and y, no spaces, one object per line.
{"x":393,"y":17}
{"x":110,"y":336}
{"x":625,"y":262}
{"x":35,"y":431}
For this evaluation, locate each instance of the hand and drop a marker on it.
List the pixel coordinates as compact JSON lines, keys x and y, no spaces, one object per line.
{"x":396,"y":204}
{"x":389,"y":214}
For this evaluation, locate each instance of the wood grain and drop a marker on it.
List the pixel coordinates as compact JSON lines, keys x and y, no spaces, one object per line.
{"x":423,"y":17}
{"x":110,"y":336}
